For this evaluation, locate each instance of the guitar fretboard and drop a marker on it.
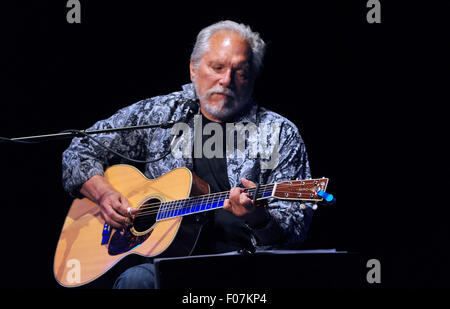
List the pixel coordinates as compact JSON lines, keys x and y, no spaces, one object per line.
{"x":206,"y":202}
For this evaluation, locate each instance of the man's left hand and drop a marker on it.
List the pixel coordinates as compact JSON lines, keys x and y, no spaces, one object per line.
{"x":241,"y":205}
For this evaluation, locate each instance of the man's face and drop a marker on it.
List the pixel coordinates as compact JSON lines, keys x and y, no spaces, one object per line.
{"x":224,"y":78}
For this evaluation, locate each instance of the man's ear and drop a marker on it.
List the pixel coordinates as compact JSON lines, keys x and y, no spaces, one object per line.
{"x":192,"y":71}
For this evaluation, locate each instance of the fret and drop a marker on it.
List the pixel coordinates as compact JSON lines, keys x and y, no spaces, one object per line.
{"x":168,"y":208}
{"x":197,"y":201}
{"x":203,"y":203}
{"x":208,"y":197}
{"x":192,"y":208}
{"x":197,"y":205}
{"x":188,"y":206}
{"x":182,"y":204}
{"x":176,"y":208}
{"x":263,"y":191}
{"x":165,"y":211}
{"x":173,"y":208}
{"x":207,"y":205}
{"x":212,"y":201}
{"x":202,"y":207}
{"x":215,"y":202}
{"x":220,"y":203}
{"x":206,"y":201}
{"x":160,"y":212}
{"x":179,"y":207}
{"x":267,"y":191}
{"x":183,"y":207}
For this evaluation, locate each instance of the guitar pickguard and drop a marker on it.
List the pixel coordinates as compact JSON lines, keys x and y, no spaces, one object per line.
{"x":123,"y":243}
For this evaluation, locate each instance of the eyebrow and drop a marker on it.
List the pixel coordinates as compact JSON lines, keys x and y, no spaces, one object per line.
{"x":243,"y":65}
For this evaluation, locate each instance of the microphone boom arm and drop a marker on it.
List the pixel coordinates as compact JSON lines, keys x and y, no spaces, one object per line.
{"x":77,"y":133}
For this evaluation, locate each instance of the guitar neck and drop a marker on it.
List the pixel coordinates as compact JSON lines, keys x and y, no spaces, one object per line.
{"x":295,"y":190}
{"x":202,"y":203}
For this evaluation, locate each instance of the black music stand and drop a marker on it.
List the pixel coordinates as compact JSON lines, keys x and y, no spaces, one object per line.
{"x":264,"y":269}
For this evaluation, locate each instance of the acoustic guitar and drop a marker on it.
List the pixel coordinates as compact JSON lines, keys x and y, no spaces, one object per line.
{"x":88,"y":247}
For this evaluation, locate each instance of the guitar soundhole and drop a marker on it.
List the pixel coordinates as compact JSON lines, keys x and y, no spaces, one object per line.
{"x":146,"y":216}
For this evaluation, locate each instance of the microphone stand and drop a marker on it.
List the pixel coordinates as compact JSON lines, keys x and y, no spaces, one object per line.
{"x":79,"y":133}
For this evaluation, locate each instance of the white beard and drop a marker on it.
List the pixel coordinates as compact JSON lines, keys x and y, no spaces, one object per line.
{"x":225,"y":109}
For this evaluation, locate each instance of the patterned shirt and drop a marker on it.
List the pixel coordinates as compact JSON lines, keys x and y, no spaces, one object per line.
{"x":280,"y":156}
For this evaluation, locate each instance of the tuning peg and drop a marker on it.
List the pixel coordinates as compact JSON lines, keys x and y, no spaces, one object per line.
{"x":303,"y":206}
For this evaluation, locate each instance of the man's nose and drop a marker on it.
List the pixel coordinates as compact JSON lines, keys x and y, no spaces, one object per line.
{"x":226,"y":79}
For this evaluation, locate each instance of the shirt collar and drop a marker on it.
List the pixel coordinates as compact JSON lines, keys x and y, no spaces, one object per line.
{"x":190,"y":91}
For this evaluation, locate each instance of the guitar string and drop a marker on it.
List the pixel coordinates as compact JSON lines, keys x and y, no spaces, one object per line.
{"x":280,"y":186}
{"x":183,"y":207}
{"x":185,"y":203}
{"x":177,"y":209}
{"x":211,"y":194}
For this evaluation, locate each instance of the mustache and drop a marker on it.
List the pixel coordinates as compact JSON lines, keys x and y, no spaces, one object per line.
{"x":221,"y":90}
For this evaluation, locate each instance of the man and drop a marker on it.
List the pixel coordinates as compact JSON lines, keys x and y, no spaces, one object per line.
{"x":224,"y":64}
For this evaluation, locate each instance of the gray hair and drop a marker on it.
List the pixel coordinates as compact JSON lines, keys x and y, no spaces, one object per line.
{"x":253,"y":39}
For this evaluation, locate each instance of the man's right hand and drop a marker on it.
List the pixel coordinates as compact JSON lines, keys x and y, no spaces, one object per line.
{"x":114,"y":208}
{"x":113,"y":205}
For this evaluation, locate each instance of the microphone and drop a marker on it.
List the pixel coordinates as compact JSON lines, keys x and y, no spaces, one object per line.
{"x":192,"y":109}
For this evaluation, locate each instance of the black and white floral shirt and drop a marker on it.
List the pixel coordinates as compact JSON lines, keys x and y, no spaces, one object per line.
{"x":282,"y":156}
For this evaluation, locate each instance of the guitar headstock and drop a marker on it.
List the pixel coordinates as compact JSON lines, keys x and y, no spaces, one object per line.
{"x":304,"y":190}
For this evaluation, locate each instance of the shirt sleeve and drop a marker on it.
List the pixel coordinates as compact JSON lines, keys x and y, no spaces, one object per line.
{"x":289,"y":223}
{"x":85,"y":158}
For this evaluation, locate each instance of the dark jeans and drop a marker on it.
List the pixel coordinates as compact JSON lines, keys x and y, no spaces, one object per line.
{"x":137,"y":277}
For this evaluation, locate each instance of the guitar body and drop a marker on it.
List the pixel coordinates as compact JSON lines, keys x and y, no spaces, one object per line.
{"x":83,"y":254}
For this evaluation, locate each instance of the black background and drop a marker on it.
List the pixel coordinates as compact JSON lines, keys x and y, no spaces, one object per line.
{"x":361,"y":95}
